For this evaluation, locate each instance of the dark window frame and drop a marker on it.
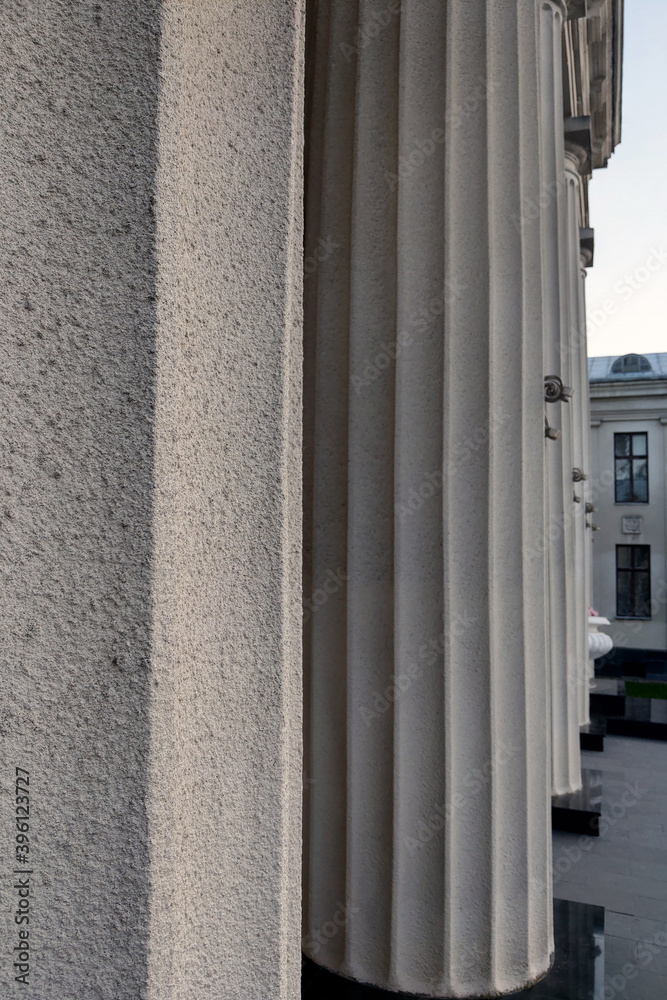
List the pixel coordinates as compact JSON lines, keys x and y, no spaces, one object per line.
{"x":629,"y":458}
{"x":634,"y":573}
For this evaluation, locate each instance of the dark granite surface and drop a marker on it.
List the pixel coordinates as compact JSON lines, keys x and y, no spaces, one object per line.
{"x":579,"y":812}
{"x":578,"y":970}
{"x":601,"y":954}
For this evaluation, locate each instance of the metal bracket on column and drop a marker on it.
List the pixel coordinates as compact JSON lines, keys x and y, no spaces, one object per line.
{"x":576,"y":498}
{"x":593,"y":527}
{"x":555,"y":391}
{"x":578,"y":476}
{"x":550,"y":432}
{"x":590,"y":509}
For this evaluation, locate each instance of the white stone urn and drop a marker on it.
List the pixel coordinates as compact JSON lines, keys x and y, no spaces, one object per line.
{"x":599,"y":643}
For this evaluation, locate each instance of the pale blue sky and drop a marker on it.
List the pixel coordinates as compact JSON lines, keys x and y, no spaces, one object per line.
{"x":628,"y":201}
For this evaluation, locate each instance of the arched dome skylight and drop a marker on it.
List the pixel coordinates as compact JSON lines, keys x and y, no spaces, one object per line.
{"x":631,"y":364}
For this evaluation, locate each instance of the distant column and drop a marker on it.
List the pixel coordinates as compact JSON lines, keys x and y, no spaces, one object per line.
{"x":427,"y":771}
{"x":590,"y":493}
{"x":560,"y":562}
{"x":575,"y":164}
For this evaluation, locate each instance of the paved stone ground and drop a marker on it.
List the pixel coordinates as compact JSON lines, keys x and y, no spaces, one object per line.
{"x":625,"y":869}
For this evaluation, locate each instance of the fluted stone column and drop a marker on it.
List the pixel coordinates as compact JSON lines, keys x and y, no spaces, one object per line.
{"x":575,"y":165}
{"x":560,"y":561}
{"x":151,"y":265}
{"x":427,"y":763}
{"x":590,"y":492}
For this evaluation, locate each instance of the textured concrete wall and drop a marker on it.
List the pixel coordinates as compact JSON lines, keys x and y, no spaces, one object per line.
{"x":150,"y":266}
{"x":226,"y":901}
{"x":78,"y":107}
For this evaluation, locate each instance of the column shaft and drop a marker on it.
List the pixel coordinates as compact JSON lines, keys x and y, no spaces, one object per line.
{"x":592,"y":489}
{"x":428,"y":824}
{"x":560,"y":563}
{"x":579,"y":594}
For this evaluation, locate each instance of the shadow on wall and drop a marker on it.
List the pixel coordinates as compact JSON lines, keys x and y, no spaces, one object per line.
{"x":78,"y":255}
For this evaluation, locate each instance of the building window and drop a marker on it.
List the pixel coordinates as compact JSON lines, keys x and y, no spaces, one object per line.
{"x":633,"y":581}
{"x":631,"y":364}
{"x":631,"y":467}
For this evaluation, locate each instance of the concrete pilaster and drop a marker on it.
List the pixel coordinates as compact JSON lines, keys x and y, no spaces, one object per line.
{"x":151,"y":285}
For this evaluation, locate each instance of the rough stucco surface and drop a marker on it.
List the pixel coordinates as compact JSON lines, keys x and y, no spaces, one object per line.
{"x":225,"y":759}
{"x":149,"y":515}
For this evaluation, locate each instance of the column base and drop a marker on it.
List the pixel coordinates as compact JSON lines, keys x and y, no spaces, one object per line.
{"x":579,"y":812}
{"x":591,"y":736}
{"x":607,"y":698}
{"x":318,"y":983}
{"x":577,"y":970}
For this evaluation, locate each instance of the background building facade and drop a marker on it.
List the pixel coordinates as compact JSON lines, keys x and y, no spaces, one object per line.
{"x":629,"y":455}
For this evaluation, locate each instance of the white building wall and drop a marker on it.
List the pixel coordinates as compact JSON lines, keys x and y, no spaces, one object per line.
{"x":631,"y":405}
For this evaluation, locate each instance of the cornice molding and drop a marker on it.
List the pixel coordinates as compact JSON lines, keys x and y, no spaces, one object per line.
{"x":587,"y":246}
{"x":593,"y":70}
{"x":559,"y":6}
{"x":612,"y":416}
{"x":616,"y":389}
{"x":578,"y":136}
{"x":579,"y":156}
